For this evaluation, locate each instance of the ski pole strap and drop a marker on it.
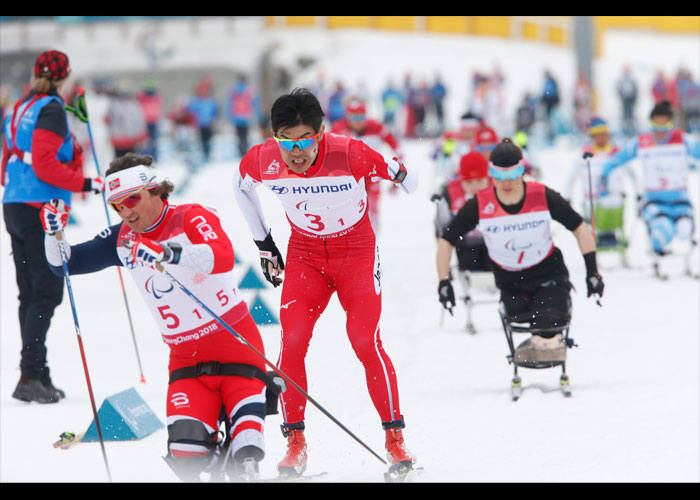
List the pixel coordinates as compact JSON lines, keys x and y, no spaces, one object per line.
{"x":78,"y":107}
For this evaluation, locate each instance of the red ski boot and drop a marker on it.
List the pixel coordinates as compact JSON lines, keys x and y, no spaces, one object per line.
{"x":396,"y":449}
{"x":294,"y":462}
{"x":400,"y":458}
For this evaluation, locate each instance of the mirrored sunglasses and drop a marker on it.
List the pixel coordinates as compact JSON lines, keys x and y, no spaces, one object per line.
{"x":128,"y":202}
{"x":302,"y":143}
{"x":507,"y":174}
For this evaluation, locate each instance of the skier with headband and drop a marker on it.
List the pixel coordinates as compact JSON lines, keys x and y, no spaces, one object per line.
{"x":515,"y":216}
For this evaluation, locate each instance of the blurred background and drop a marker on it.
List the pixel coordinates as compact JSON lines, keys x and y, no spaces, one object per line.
{"x":418,"y":74}
{"x":195,"y":91}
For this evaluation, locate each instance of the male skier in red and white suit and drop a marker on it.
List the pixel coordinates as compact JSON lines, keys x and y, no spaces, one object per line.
{"x":320,"y":180}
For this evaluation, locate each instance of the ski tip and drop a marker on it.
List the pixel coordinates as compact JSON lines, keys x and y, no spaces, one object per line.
{"x":68,"y":439}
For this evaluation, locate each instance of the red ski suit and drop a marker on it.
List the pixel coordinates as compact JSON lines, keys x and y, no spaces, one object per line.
{"x":332,"y":248}
{"x":192,"y":335}
{"x":375,"y":135}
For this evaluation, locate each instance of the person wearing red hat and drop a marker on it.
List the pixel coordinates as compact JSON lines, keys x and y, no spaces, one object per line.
{"x":40,"y":161}
{"x":470,"y":251}
{"x":358,"y":125}
{"x":486,"y":139}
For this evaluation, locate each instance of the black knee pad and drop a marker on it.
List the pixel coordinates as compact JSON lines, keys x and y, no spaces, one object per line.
{"x":193,"y":432}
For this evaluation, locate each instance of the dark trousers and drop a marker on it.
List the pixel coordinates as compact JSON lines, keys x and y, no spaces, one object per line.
{"x":547,"y":303}
{"x":205,"y":134}
{"x":40,"y":291}
{"x":242,"y":133}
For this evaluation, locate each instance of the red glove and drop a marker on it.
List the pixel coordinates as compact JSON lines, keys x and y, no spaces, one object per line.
{"x":54,"y":216}
{"x":149,"y":252}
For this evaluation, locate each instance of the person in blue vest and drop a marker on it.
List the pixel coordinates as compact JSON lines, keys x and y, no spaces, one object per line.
{"x":41,"y":161}
{"x":514,"y":217}
{"x":243,"y":108}
{"x":205,"y":109}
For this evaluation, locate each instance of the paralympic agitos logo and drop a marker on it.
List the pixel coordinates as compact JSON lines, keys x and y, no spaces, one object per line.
{"x":154,"y":290}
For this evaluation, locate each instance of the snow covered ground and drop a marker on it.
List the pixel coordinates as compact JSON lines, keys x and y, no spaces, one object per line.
{"x":634,"y":415}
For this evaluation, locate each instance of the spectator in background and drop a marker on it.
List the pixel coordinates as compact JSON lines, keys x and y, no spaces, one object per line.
{"x":526,"y":114}
{"x":627,"y":91}
{"x":659,"y":89}
{"x":184,"y":132}
{"x":243,"y":108}
{"x":488,"y":100}
{"x":125,"y":121}
{"x":151,"y":102}
{"x":336,"y":103}
{"x":583,"y":102}
{"x":392,"y":99}
{"x":205,"y":109}
{"x":421,"y":103}
{"x":550,"y":100}
{"x":409,"y":92}
{"x":438,"y":92}
{"x":688,"y":101}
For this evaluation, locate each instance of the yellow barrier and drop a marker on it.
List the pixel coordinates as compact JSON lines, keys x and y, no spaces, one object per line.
{"x":551,"y":29}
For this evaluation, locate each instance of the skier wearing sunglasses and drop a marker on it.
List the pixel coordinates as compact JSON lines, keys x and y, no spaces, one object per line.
{"x":213,"y":377}
{"x":320,"y":179}
{"x":514,"y":217}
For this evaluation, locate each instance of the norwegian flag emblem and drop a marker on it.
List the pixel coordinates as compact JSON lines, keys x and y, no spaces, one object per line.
{"x":114,"y":184}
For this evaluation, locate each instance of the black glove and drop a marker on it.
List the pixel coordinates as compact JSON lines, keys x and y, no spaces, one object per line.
{"x":271,"y":260}
{"x":446,"y":295}
{"x":595,"y":285}
{"x":594,"y":281}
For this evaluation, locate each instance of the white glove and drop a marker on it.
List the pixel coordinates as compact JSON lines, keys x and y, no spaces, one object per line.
{"x":407,"y":179}
{"x":97,"y":185}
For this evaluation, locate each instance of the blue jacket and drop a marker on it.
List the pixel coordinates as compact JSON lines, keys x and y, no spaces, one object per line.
{"x":21,"y":183}
{"x":204,"y":109}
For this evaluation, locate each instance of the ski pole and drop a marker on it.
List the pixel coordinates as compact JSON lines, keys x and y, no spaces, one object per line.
{"x":587,"y":156}
{"x":59,"y":237}
{"x":80,"y":111}
{"x":279,"y":372}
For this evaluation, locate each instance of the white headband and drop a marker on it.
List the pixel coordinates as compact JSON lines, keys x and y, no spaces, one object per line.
{"x":126,"y":182}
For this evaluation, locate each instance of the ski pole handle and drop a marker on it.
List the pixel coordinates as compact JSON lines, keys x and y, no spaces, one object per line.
{"x":587,"y":156}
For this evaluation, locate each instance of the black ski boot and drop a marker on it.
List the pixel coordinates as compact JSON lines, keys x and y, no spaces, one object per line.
{"x":33,"y":390}
{"x":50,"y":387}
